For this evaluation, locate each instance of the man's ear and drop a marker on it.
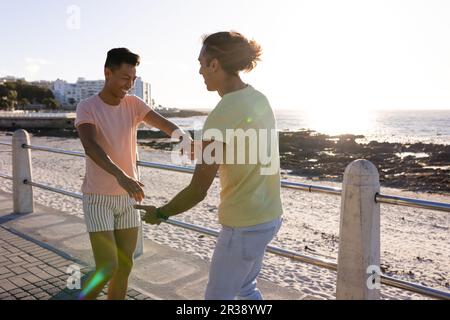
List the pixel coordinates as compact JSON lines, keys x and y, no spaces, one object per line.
{"x":108,"y":73}
{"x":214,"y":64}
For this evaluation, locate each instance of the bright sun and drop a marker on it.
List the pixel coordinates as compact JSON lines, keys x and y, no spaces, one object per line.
{"x":340,"y":121}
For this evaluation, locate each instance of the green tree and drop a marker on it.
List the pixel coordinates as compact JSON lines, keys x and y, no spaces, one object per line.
{"x":5,"y":105}
{"x":12,"y":98}
{"x":50,"y":103}
{"x":19,"y":90}
{"x":3,"y":91}
{"x":23,"y":102}
{"x":12,"y":95}
{"x":33,"y":93}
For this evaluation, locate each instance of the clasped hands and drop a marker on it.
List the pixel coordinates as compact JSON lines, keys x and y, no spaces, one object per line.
{"x":150,"y":215}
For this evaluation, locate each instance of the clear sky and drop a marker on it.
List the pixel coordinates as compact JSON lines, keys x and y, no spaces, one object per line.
{"x":318,"y":55}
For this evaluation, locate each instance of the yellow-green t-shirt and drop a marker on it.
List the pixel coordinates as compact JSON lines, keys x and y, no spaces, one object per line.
{"x":250,"y":187}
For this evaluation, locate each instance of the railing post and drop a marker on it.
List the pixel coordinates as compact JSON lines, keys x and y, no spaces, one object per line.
{"x":140,"y":244}
{"x":140,"y":240}
{"x":21,"y":160}
{"x":359,"y":235}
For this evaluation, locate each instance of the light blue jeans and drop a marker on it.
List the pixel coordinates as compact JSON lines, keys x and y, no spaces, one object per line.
{"x":237,"y":261}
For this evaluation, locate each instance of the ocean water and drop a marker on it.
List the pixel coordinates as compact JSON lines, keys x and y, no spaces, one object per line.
{"x":405,"y":126}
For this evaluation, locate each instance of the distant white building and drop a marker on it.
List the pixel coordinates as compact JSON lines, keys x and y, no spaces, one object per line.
{"x":72,"y":93}
{"x":59,"y":90}
{"x":142,"y":90}
{"x":66,"y":93}
{"x":87,"y":88}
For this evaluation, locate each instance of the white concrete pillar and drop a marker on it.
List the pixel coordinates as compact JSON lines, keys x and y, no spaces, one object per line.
{"x":140,"y":244}
{"x":140,"y":240}
{"x":359,"y":234}
{"x":21,"y":160}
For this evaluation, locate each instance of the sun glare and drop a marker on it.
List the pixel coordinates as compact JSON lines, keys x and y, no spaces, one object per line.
{"x":340,"y":121}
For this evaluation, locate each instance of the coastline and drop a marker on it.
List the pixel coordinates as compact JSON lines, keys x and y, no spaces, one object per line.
{"x":181,"y":113}
{"x":305,"y":153}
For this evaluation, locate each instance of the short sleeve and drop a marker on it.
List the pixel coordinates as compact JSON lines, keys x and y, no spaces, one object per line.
{"x":140,"y":109}
{"x":84,"y":114}
{"x":219,"y":123}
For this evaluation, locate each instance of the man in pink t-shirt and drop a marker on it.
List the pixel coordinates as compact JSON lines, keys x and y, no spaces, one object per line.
{"x":107,"y":126}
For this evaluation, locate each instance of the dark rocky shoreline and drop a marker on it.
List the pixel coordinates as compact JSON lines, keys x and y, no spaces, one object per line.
{"x":307,"y":153}
{"x":181,"y":113}
{"x":321,"y":157}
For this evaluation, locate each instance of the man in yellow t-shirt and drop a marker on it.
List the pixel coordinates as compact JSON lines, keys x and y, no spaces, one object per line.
{"x":240,"y":141}
{"x":240,"y":121}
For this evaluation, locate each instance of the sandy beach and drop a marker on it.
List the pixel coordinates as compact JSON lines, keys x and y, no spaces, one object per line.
{"x":415,"y":243}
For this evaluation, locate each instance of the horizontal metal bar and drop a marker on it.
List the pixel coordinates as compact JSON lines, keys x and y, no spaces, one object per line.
{"x":439,"y":206}
{"x":284,"y":183}
{"x":310,"y":187}
{"x":190,"y":169}
{"x":409,"y":286}
{"x":388,"y":280}
{"x":5,"y":144}
{"x":26,"y":116}
{"x":387,"y":199}
{"x":303,"y":258}
{"x":49,"y":188}
{"x":415,"y":287}
{"x":415,"y":203}
{"x":5,"y":176}
{"x":275,"y":250}
{"x":169,"y":167}
{"x":55,"y":150}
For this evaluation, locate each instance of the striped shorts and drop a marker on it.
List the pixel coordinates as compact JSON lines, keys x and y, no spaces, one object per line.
{"x":109,"y":213}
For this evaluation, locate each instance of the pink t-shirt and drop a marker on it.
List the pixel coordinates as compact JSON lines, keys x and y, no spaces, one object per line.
{"x":116,"y":128}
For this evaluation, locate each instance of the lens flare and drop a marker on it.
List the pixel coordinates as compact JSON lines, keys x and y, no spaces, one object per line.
{"x":94,"y":282}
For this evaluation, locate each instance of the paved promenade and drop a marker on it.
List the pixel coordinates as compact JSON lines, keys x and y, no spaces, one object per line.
{"x":37,"y":249}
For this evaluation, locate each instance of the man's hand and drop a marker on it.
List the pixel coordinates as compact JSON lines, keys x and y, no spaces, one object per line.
{"x":132,"y":186}
{"x":186,"y":141}
{"x":88,"y":137}
{"x":150,"y":214}
{"x":154,"y":119}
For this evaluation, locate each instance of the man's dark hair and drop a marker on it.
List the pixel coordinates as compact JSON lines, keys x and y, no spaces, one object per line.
{"x":118,"y":56}
{"x":233,"y":51}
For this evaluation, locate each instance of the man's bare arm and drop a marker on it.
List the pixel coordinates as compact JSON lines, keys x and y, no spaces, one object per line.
{"x":154,"y":119}
{"x":93,"y":150}
{"x":202,"y":179}
{"x":197,"y":190}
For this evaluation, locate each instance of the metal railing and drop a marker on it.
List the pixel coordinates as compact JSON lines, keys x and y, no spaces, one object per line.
{"x":380,"y":198}
{"x":330,"y":265}
{"x":37,"y":115}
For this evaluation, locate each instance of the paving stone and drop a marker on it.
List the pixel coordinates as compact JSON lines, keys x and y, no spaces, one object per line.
{"x":18,"y":270}
{"x":16,"y":291}
{"x":7,"y":286}
{"x":42,"y":296}
{"x":22,"y":295}
{"x":31,"y":278}
{"x":35,"y":291}
{"x":4,"y":295}
{"x":18,"y":281}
